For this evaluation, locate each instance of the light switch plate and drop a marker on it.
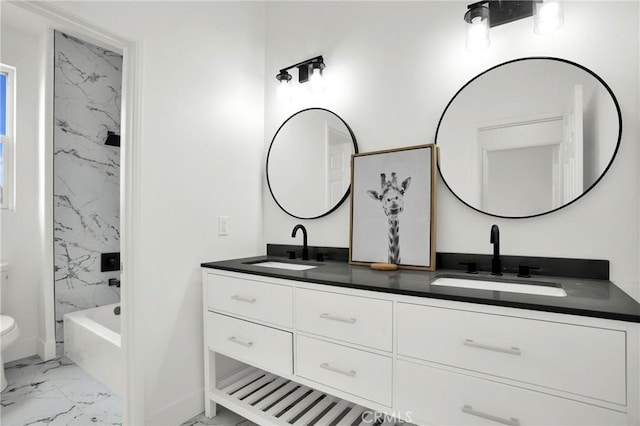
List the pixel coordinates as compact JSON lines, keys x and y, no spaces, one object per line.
{"x":223,"y":225}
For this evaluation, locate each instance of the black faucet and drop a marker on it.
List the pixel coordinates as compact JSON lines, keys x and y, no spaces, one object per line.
{"x":496,"y":263}
{"x":305,"y":249}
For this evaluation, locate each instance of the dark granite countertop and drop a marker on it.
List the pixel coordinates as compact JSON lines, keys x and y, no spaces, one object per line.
{"x":585,"y":297}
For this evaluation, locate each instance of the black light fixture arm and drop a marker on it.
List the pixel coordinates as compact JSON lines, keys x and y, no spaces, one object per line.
{"x":316,"y":60}
{"x":304,"y":68}
{"x":501,"y":12}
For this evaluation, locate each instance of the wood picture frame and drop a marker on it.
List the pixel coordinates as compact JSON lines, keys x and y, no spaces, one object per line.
{"x":393,"y":195}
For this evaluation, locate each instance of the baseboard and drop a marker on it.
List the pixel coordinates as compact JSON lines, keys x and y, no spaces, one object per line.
{"x":180,"y":411}
{"x":46,"y":350}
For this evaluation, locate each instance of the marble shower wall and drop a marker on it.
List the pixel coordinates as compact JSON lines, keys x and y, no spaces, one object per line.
{"x":88,"y":81}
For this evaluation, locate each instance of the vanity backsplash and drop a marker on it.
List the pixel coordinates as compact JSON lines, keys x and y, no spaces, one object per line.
{"x":544,"y":266}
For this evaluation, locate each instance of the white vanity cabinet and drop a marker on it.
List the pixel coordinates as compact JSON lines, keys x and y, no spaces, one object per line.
{"x":264,"y":347}
{"x":354,"y":371}
{"x":359,"y":320}
{"x":364,"y":323}
{"x":519,"y":364}
{"x":582,"y":360}
{"x":445,"y":397}
{"x":318,"y":354}
{"x":250,"y":298}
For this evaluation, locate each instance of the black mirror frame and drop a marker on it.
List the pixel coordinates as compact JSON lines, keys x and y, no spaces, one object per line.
{"x":347,"y":192}
{"x":604,"y":172}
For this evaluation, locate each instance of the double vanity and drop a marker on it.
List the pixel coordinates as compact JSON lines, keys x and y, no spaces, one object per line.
{"x":330,"y":343}
{"x":307,"y":342}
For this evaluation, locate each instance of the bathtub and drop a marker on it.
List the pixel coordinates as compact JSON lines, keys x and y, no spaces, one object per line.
{"x":92,"y":341}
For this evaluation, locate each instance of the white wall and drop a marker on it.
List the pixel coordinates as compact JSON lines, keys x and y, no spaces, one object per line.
{"x":391,"y":69}
{"x":21,"y":229}
{"x":201,"y":153}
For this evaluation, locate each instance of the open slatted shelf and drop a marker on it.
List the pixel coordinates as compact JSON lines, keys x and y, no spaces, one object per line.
{"x":265,"y":398}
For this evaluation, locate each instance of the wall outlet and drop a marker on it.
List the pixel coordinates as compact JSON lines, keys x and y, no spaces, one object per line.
{"x":223,"y":225}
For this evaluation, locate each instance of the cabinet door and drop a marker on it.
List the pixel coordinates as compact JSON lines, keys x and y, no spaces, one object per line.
{"x":258,"y":300}
{"x":360,"y":320}
{"x":427,"y":395}
{"x":582,"y":360}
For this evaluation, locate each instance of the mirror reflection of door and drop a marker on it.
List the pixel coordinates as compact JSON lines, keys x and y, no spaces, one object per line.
{"x":526,"y":92}
{"x":572,"y":150}
{"x":520,"y":177}
{"x":339,"y":147}
{"x":532,"y":164}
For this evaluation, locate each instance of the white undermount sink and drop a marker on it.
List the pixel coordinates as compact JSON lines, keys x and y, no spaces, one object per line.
{"x":284,"y":265}
{"x":512,"y":287}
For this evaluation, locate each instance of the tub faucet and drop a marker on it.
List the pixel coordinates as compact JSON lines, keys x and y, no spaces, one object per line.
{"x":305,"y":249}
{"x":496,"y":264}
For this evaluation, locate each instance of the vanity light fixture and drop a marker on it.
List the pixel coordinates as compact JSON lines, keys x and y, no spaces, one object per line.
{"x":548,"y":17}
{"x":308,"y":71}
{"x":477,"y":19}
{"x":284,"y":88}
{"x":485,"y":14}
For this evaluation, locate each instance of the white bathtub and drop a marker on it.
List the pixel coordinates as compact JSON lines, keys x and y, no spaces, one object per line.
{"x":92,"y":340}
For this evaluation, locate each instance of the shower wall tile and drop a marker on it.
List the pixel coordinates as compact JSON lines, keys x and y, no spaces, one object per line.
{"x":88,"y":81}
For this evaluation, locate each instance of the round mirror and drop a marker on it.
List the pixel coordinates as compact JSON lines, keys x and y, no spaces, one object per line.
{"x":309,"y":163}
{"x":528,"y":137}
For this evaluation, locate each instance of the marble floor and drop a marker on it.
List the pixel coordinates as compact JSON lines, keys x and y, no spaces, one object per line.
{"x":58,"y":392}
{"x":55,"y":392}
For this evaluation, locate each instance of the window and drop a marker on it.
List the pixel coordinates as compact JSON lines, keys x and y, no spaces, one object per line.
{"x":7,"y":134}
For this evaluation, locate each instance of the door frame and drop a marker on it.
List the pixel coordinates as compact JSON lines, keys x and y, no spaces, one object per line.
{"x":130,"y":152}
{"x":486,"y":145}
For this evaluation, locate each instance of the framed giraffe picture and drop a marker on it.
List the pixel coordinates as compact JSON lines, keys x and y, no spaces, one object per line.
{"x":393,"y":197}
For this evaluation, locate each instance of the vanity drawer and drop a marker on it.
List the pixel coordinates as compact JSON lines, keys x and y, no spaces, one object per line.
{"x":258,"y":300}
{"x":433,"y":396}
{"x":255,"y":344}
{"x":581,"y":360}
{"x":353,"y":319}
{"x":354,"y":371}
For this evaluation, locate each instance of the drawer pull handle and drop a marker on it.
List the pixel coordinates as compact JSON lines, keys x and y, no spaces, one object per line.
{"x":243,"y":299}
{"x":340,"y":319}
{"x":240,"y":342}
{"x":326,"y":366}
{"x":509,"y":422}
{"x":512,"y":350}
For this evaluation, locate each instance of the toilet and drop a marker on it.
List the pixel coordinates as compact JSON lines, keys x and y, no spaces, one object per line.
{"x":10,"y":332}
{"x":8,"y":327}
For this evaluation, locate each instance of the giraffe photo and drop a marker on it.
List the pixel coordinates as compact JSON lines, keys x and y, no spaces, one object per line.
{"x":392,"y":206}
{"x":391,"y":197}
